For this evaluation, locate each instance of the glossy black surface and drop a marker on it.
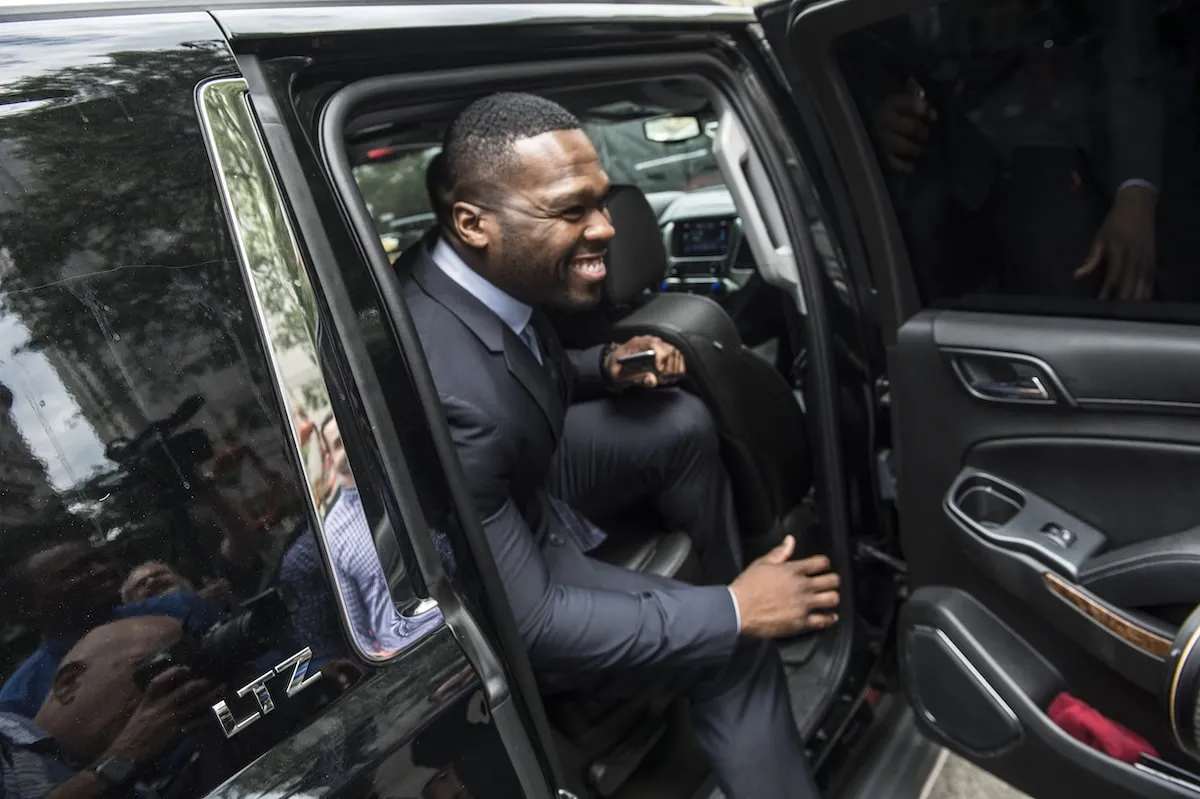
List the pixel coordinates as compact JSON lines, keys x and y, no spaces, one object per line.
{"x":140,"y":426}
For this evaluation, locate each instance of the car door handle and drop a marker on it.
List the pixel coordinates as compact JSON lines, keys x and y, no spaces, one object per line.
{"x":1025,"y":388}
{"x":1000,"y":377}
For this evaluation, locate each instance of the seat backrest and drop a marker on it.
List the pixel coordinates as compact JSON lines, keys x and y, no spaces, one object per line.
{"x":762,"y":428}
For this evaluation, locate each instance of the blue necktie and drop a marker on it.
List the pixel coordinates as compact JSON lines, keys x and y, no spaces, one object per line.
{"x":528,"y":335}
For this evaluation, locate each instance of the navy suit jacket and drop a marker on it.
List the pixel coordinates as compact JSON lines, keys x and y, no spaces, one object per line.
{"x":505,"y":412}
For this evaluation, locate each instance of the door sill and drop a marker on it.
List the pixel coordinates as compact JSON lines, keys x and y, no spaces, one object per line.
{"x":896,"y":761}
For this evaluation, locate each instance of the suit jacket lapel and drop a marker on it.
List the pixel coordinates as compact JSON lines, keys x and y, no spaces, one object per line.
{"x":491,"y":330}
{"x":554,"y":355}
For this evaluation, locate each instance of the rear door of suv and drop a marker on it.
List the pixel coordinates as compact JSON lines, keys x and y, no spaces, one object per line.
{"x":1047,"y":441}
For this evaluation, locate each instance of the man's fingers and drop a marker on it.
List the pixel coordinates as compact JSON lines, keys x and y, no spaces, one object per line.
{"x":901,"y":166}
{"x":900,"y":147}
{"x":819,"y":621}
{"x":1094,"y":257}
{"x":910,"y":128}
{"x":906,"y":104}
{"x":781,"y":553}
{"x":816,"y":564}
{"x":1145,"y":288}
{"x":1114,"y":272}
{"x":1131,"y":279}
{"x":165,"y":682}
{"x":195,"y":693}
{"x":678,"y":365}
{"x":1140,"y":265}
{"x":825,"y":600}
{"x":824,"y":582}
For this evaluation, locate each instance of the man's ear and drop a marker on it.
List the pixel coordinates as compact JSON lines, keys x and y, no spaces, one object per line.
{"x":65,"y":685}
{"x":470,"y":225}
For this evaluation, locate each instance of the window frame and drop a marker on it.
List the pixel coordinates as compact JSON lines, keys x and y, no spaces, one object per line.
{"x":727,"y":73}
{"x":275,"y":277}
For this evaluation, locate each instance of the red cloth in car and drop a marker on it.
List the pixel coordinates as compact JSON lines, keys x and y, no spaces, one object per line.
{"x":1084,"y":723}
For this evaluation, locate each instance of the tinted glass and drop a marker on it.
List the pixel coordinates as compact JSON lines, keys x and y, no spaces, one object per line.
{"x":151,"y":506}
{"x":1039,"y":149}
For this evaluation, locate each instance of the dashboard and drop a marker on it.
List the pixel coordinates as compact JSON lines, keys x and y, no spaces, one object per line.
{"x":706,"y":252}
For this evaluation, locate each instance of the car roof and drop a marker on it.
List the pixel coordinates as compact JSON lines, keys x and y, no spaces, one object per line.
{"x":30,"y":9}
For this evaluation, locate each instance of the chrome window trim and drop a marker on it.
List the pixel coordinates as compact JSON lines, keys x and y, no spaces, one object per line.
{"x":281,"y":293}
{"x":272,"y":21}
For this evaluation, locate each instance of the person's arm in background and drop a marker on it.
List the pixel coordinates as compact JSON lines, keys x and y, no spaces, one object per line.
{"x":567,"y":627}
{"x":1135,"y":114}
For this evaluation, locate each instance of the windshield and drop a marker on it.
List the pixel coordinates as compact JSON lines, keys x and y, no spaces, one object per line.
{"x":630,"y":158}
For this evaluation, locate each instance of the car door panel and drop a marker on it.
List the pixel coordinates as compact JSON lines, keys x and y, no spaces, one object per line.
{"x":1044,"y":463}
{"x":981,"y":689}
{"x":980,"y":479}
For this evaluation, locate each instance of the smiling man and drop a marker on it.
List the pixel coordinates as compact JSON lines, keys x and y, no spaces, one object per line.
{"x":550,"y":440}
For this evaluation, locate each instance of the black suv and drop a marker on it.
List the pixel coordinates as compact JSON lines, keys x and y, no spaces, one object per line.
{"x":948,"y":287}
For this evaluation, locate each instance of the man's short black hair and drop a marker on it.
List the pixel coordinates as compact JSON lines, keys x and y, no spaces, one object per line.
{"x":478,"y":150}
{"x":436,"y":187}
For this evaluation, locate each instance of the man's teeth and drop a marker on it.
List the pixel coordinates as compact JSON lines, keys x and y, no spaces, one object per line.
{"x":590,"y":265}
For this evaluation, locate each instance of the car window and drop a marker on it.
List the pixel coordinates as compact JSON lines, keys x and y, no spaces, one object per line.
{"x":1044,"y":151}
{"x":392,"y":178}
{"x":392,"y":182}
{"x":155,"y":527}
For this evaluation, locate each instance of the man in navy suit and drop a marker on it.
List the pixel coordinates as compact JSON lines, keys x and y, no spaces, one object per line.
{"x":522,"y":225}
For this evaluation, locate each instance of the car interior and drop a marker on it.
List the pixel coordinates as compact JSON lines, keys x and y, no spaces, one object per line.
{"x":685,"y":266}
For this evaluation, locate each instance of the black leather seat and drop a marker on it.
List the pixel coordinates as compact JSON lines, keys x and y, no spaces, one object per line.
{"x":762,"y":428}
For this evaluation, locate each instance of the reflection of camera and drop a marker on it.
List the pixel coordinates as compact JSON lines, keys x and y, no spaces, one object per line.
{"x":217,"y":652}
{"x":158,"y":455}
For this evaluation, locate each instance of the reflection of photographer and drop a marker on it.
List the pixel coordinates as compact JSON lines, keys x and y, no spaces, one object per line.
{"x":163,"y":462}
{"x":98,"y":733}
{"x":219,"y":650}
{"x":63,"y":591}
{"x":159,"y":458}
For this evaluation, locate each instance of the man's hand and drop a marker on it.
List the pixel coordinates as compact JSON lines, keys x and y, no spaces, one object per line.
{"x":1125,"y":244}
{"x":668,"y":363}
{"x":902,"y":123}
{"x":173,"y":704}
{"x":219,"y":592}
{"x":778,"y":598}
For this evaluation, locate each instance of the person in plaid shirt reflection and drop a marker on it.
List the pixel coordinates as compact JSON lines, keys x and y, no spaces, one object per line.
{"x":377,"y":626}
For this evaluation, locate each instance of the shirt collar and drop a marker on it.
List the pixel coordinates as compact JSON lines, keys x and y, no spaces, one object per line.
{"x":20,"y":730}
{"x":513,"y":312}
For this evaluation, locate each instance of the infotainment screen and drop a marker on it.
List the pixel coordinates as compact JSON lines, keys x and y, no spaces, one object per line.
{"x":698,"y":238}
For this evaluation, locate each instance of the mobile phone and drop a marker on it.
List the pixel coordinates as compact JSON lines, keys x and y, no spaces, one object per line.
{"x":637,"y":363}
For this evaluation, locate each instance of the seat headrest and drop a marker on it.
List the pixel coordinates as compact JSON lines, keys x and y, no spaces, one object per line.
{"x":636,"y":258}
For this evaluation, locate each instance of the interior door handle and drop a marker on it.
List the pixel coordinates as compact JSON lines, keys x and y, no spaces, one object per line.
{"x":1000,"y":377}
{"x":1025,"y":388}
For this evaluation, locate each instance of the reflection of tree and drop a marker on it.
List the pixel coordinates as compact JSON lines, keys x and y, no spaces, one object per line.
{"x":80,"y":214}
{"x":119,"y":262}
{"x":396,"y":187}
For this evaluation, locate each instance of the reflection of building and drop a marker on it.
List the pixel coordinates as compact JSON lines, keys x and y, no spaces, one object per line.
{"x":26,"y":496}
{"x":93,"y":392}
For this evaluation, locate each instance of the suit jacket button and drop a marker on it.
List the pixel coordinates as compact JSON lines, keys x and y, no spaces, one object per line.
{"x":556,"y":539}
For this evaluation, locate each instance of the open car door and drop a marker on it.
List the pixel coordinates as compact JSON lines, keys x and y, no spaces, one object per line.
{"x":1046,"y":447}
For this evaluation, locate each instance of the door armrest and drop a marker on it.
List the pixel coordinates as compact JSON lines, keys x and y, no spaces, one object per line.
{"x":1157,"y":572}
